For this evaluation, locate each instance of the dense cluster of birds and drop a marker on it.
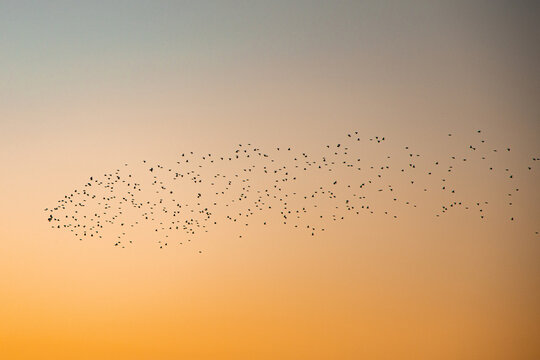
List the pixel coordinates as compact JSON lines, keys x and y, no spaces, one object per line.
{"x":282,"y":185}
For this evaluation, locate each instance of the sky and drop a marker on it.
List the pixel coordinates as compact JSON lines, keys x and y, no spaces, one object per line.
{"x":89,"y":86}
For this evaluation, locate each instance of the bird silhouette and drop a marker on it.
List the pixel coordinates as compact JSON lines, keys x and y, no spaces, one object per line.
{"x":301,"y":190}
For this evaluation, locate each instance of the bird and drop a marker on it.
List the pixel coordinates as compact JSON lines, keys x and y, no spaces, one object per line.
{"x":197,"y":192}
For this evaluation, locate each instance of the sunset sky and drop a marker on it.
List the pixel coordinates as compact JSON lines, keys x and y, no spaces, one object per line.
{"x":87,"y":86}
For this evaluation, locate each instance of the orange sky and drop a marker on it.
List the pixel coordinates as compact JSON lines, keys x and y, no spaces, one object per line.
{"x":87,"y":88}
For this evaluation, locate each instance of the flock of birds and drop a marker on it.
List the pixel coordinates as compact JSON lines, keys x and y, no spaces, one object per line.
{"x":249,"y":185}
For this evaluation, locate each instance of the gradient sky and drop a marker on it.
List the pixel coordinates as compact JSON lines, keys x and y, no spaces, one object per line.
{"x":87,"y":86}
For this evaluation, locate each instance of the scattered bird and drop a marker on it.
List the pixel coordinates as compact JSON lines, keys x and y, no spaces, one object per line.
{"x":250,"y":185}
